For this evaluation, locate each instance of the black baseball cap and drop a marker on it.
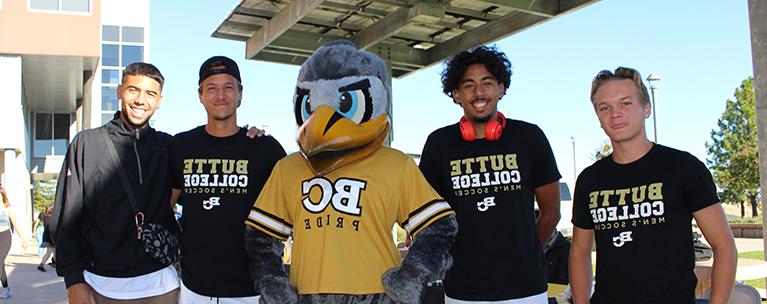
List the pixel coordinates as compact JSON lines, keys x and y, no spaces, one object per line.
{"x":219,"y":65}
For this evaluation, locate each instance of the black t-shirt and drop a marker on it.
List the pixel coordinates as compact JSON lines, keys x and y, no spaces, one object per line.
{"x":641,"y":215}
{"x":219,"y":178}
{"x":490,"y":185}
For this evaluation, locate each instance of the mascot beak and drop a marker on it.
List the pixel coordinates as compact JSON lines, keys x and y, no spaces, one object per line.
{"x":328,"y":140}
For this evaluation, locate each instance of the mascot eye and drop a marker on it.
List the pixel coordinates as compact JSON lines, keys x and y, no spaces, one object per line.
{"x":306,"y":107}
{"x":302,"y":105}
{"x":353,"y":104}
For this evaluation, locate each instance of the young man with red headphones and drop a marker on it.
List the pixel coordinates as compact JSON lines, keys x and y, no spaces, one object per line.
{"x":491,"y":170}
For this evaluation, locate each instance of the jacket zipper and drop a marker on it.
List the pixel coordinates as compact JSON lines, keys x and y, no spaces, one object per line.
{"x":138,"y":159}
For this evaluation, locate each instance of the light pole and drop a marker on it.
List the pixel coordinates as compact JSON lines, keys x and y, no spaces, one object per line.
{"x":653,"y":79}
{"x":572,"y":138}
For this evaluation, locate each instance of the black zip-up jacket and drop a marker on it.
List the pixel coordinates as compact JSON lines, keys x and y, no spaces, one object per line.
{"x":93,"y":226}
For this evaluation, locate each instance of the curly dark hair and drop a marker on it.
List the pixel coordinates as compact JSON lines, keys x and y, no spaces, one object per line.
{"x":494,"y":60}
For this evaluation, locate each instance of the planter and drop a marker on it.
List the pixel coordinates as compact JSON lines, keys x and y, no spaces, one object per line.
{"x":747,"y":230}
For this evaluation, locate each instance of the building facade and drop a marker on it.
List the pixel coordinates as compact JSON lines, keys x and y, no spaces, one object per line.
{"x":61,"y":62}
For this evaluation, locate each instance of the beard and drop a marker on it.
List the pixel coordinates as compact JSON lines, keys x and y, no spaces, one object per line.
{"x":134,"y":123}
{"x":482,"y":119}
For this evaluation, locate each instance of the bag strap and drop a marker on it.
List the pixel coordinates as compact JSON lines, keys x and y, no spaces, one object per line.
{"x":118,"y":167}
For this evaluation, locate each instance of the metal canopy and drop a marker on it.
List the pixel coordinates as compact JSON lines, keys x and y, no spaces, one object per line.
{"x":408,"y":34}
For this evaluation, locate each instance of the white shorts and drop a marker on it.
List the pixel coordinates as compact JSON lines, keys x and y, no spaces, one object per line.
{"x":187,"y":296}
{"x":534,"y":299}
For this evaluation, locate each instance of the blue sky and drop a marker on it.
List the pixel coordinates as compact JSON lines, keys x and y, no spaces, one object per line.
{"x":701,"y":50}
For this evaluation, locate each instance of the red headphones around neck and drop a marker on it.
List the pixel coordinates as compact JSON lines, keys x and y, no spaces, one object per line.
{"x":493,"y":129}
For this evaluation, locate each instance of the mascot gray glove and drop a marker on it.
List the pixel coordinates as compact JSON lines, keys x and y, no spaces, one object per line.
{"x":426,"y":261}
{"x":270,"y":279}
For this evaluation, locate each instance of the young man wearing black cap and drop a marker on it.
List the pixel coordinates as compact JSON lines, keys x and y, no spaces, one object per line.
{"x":217,"y":173}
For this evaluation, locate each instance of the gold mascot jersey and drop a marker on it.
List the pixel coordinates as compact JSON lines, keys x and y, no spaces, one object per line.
{"x":341,"y":222}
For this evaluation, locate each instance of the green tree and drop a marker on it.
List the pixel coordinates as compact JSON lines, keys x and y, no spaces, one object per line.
{"x":733,"y":154}
{"x":603,"y":151}
{"x":44,"y":194}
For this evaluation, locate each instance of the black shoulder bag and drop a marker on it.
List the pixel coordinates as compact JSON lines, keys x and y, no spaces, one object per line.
{"x":159,"y":243}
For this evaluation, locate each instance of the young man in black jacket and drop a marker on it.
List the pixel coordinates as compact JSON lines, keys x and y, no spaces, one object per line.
{"x":99,"y":253}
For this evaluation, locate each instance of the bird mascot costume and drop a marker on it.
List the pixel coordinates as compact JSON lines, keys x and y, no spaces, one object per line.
{"x":341,"y":195}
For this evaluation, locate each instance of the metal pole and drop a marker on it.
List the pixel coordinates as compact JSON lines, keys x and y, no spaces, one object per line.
{"x":572,"y":138}
{"x":654,"y":123}
{"x":757,"y":13}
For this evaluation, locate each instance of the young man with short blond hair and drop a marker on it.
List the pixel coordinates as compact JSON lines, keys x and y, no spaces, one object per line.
{"x":638,"y":203}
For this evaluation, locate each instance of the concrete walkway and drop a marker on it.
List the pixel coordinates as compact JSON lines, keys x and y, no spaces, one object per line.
{"x":746,"y":245}
{"x":30,"y":286}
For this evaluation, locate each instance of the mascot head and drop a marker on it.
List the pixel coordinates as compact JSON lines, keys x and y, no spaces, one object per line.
{"x":340,"y":106}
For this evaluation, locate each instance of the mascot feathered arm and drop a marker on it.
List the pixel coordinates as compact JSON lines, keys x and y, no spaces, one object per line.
{"x":269,"y":277}
{"x":427,"y":260}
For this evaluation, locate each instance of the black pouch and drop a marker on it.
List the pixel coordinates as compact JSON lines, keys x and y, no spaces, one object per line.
{"x":160,"y":243}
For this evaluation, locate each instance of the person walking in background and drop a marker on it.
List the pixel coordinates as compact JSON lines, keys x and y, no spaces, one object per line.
{"x":7,"y":221}
{"x":46,"y":242}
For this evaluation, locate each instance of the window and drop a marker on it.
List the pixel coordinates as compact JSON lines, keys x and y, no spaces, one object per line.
{"x":121,"y":46}
{"x":110,"y":76}
{"x":133,"y":34}
{"x":75,"y":5}
{"x":78,"y":6}
{"x":109,"y":98}
{"x":110,"y":55}
{"x":131,"y":54}
{"x":51,"y":134}
{"x":110,"y":33}
{"x":43,"y":126}
{"x":52,"y":5}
